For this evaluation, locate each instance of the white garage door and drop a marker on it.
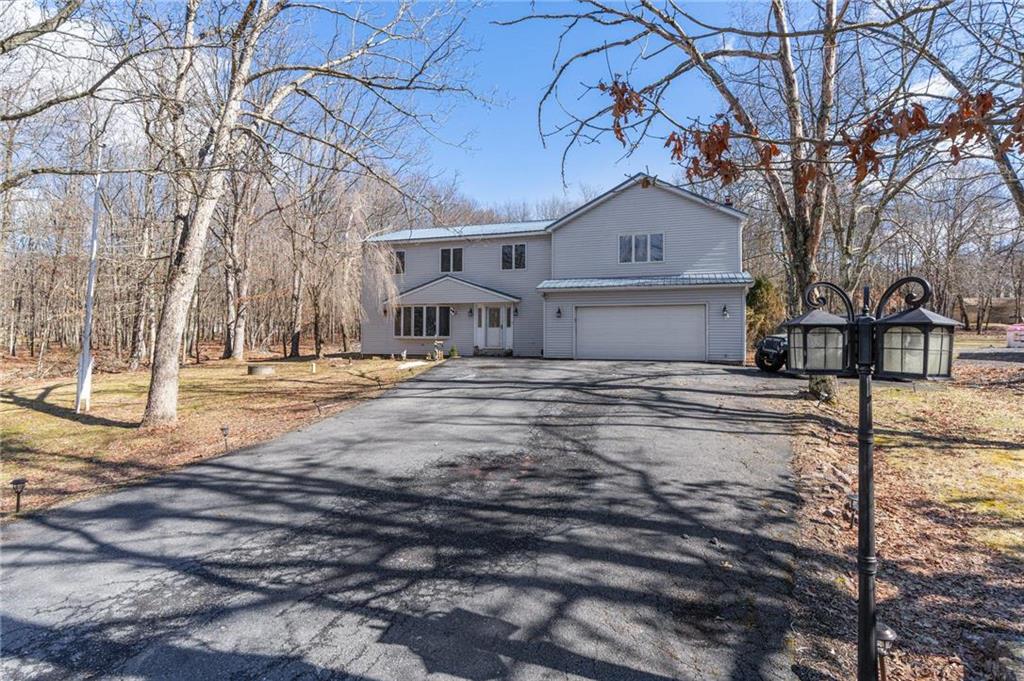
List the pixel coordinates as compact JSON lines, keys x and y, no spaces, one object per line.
{"x":641,"y":332}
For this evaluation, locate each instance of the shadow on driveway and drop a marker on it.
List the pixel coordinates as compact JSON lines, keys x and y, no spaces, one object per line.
{"x":531,"y":521}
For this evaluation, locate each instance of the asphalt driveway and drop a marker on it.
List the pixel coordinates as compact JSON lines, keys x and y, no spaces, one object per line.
{"x":491,"y":519}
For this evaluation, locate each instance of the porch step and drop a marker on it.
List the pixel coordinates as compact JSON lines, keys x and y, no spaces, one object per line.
{"x":491,"y":352}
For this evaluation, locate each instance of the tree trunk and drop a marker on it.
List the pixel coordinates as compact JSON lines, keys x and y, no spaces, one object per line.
{"x":197,"y":337}
{"x":823,"y":388}
{"x":318,"y":341}
{"x":241,"y":315}
{"x":230,"y":310}
{"x":295,"y":324}
{"x":966,"y":318}
{"x":183,"y":274}
{"x":138,"y":338}
{"x":12,"y":339}
{"x":162,"y":402}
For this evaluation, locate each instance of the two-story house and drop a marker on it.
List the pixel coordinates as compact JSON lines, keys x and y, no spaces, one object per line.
{"x":646,"y":271}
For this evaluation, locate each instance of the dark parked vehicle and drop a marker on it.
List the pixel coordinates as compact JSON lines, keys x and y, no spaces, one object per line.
{"x":770,"y":354}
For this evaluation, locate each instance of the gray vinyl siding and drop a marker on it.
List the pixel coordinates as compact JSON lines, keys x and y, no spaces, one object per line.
{"x":697,"y":237}
{"x":726,"y":338}
{"x":481,"y":265}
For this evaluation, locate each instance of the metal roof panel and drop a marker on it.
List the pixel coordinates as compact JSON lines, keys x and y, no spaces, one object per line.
{"x":463,"y":231}
{"x":655,"y":281}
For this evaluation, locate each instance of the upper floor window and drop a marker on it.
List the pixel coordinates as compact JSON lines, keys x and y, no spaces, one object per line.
{"x":399,"y":262}
{"x":513,"y":257}
{"x":451,"y":259}
{"x":641,"y":248}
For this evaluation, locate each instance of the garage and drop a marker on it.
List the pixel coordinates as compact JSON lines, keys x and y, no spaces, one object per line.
{"x":656,"y":332}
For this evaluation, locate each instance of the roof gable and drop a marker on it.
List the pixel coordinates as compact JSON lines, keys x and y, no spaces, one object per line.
{"x":448,"y":289}
{"x":647,"y":181}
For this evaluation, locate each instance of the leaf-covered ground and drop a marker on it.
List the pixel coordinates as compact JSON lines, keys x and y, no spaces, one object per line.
{"x":65,"y":455}
{"x":950,"y":523}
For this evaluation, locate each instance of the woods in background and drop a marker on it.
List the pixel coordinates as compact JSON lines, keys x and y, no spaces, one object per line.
{"x":249,"y":150}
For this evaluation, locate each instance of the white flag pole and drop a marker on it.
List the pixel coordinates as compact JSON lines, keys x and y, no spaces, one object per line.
{"x":83,"y":393}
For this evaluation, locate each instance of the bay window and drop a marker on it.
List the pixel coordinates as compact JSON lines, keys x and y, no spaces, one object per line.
{"x":423,"y":321}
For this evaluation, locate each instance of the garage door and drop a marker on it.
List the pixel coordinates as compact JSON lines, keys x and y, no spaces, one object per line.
{"x":641,"y":332}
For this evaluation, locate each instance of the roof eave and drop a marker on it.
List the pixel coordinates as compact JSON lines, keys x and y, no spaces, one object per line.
{"x":425,"y":285}
{"x":471,"y":237}
{"x":662,"y":287}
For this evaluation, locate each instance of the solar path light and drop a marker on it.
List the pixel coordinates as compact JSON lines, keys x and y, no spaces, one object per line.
{"x":19,"y":486}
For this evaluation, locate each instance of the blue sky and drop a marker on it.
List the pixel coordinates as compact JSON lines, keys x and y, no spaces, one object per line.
{"x":504,"y":159}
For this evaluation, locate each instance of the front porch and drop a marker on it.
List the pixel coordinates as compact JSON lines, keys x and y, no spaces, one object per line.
{"x":458,"y":313}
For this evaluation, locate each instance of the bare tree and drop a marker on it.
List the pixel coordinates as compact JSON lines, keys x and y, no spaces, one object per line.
{"x":377,"y":60}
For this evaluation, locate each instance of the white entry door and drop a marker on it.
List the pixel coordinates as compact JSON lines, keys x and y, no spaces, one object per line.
{"x":641,"y":332}
{"x":494,"y":323}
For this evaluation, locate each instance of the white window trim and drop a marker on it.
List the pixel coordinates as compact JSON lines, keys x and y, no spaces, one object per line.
{"x":632,"y":248}
{"x":451,"y":269}
{"x":437,"y":323}
{"x":526,"y":258}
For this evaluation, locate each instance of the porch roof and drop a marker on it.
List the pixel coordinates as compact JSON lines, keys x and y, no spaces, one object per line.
{"x":449,"y":290}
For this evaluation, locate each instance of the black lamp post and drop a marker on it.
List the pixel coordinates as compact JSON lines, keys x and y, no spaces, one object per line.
{"x":914,"y":343}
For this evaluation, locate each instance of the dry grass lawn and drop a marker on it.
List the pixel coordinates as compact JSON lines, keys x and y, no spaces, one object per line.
{"x":66,"y":455}
{"x":950,"y":502}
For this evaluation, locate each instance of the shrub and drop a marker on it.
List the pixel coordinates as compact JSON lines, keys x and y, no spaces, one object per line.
{"x":765,"y":309}
{"x":454,"y":352}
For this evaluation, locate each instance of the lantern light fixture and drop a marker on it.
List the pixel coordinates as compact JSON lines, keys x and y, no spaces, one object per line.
{"x":818,"y":343}
{"x":915,"y":343}
{"x":558,"y":313}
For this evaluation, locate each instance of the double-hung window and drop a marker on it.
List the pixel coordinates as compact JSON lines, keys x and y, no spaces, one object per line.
{"x":399,"y":262}
{"x":423,"y":321}
{"x":642,"y":248}
{"x":513,"y":257}
{"x":451,"y":259}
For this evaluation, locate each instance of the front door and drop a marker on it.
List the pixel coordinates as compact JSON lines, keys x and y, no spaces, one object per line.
{"x":493,"y":319}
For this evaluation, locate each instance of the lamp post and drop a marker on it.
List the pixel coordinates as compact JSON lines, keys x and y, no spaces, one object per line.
{"x":19,"y":486}
{"x":913,"y":343}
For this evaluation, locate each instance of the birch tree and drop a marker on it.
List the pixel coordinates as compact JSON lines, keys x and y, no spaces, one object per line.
{"x":394,"y":50}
